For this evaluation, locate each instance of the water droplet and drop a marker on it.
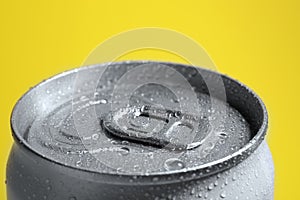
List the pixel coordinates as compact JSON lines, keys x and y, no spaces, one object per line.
{"x":103,"y":101}
{"x":78,"y":163}
{"x":210,"y":186}
{"x":174,"y":164}
{"x":124,"y":151}
{"x":145,"y":108}
{"x":200,"y":195}
{"x":151,"y":155}
{"x":223,"y":195}
{"x":222,"y":135}
{"x":124,"y":142}
{"x":95,"y":136}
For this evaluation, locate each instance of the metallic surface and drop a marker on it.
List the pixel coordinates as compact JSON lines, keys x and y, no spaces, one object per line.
{"x":245,"y":174}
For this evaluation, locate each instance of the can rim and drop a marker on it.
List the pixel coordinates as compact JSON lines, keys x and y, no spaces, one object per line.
{"x":200,"y":171}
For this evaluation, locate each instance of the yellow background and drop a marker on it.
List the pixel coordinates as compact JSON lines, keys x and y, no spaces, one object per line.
{"x":254,"y":41}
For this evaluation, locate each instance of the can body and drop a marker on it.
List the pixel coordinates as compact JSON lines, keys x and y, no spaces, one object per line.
{"x":33,"y":176}
{"x":30,"y":177}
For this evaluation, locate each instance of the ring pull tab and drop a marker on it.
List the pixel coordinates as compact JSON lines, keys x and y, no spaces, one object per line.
{"x":154,"y":126}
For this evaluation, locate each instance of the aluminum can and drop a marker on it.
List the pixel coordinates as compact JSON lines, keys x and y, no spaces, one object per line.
{"x":140,"y":130}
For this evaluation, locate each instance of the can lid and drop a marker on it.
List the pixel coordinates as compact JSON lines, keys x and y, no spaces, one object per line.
{"x":143,"y":138}
{"x":147,"y":139}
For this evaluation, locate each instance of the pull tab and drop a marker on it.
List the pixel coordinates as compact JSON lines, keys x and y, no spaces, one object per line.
{"x":154,"y":126}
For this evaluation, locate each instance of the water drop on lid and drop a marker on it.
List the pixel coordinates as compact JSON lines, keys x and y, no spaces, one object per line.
{"x":223,"y":135}
{"x":124,"y":151}
{"x":151,"y":155}
{"x":211,"y":186}
{"x":174,"y":164}
{"x":223,"y":195}
{"x":124,"y":142}
{"x":95,"y":136}
{"x":144,"y":108}
{"x":119,"y":170}
{"x":78,"y":163}
{"x":103,"y":101}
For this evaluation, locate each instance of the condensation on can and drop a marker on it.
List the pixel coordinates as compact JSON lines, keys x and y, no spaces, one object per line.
{"x":116,"y":128}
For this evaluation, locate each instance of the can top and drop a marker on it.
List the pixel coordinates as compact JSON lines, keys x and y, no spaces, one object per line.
{"x":141,"y":119}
